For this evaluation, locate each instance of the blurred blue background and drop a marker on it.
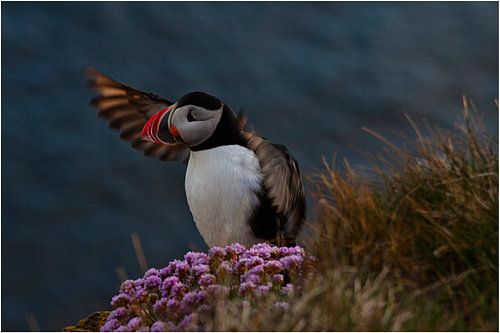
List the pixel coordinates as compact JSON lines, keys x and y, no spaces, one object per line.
{"x":308,"y":75}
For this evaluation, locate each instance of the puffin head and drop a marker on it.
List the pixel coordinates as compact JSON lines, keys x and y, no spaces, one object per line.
{"x":190,"y":121}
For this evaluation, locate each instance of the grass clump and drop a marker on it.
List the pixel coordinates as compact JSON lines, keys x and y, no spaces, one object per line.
{"x":410,"y":245}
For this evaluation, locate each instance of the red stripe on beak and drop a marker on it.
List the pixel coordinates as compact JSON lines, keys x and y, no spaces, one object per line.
{"x":152,"y":126}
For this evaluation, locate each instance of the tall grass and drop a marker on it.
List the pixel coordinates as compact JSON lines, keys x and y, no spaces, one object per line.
{"x":410,"y":245}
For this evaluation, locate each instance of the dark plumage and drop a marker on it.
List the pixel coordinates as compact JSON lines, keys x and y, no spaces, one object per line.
{"x":281,"y":185}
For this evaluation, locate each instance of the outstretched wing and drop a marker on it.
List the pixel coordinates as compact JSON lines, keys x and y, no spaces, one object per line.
{"x":281,"y":180}
{"x":127,"y":110}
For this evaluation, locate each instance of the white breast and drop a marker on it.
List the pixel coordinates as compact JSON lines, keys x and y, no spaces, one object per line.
{"x":220,"y":187}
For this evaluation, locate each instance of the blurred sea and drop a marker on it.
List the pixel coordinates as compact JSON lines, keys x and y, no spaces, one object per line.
{"x":308,"y":75}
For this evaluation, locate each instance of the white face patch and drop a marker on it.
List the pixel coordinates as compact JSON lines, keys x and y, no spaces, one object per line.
{"x":194,"y":123}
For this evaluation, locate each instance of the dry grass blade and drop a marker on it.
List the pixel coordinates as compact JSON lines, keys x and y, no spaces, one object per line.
{"x":141,"y":258}
{"x":32,"y":322}
{"x":382,"y":139}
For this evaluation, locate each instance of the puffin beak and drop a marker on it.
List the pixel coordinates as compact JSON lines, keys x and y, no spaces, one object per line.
{"x":150,"y":131}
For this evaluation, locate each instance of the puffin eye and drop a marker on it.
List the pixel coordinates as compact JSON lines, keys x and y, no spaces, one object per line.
{"x":190,"y":116}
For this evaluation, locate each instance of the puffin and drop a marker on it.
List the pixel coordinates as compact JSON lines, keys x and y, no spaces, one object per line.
{"x":240,"y":187}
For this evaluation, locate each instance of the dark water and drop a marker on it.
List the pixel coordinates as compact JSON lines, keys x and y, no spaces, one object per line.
{"x":308,"y":75}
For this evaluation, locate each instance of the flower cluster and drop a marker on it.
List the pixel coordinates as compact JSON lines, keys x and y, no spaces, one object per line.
{"x":174,"y":297}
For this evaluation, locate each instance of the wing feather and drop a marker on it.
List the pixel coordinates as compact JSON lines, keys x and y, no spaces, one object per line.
{"x":127,"y":109}
{"x":282,"y":183}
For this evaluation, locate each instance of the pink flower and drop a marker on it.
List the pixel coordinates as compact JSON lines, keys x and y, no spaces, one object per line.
{"x":152,"y":281}
{"x":206,"y":280}
{"x":225,"y":267}
{"x":255,"y":279}
{"x":283,"y":306}
{"x":200,"y":269}
{"x":196,"y":258}
{"x":159,"y":326}
{"x":190,"y":300}
{"x":217,"y":252}
{"x":119,"y":313}
{"x":168,"y":283}
{"x":287,"y":290}
{"x":245,"y":287}
{"x":291,"y":261}
{"x":140,"y":293}
{"x":177,"y":289}
{"x":234,"y":250}
{"x":256,"y":270}
{"x":173,"y":297}
{"x":110,"y":325}
{"x":160,"y":307}
{"x":151,"y":272}
{"x":134,"y":324}
{"x":278,"y":278}
{"x":120,"y":300}
{"x":127,"y":287}
{"x":254,"y":261}
{"x":262,"y":291}
{"x":166,"y":271}
{"x":185,"y":323}
{"x":173,"y":304}
{"x":273,"y":266}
